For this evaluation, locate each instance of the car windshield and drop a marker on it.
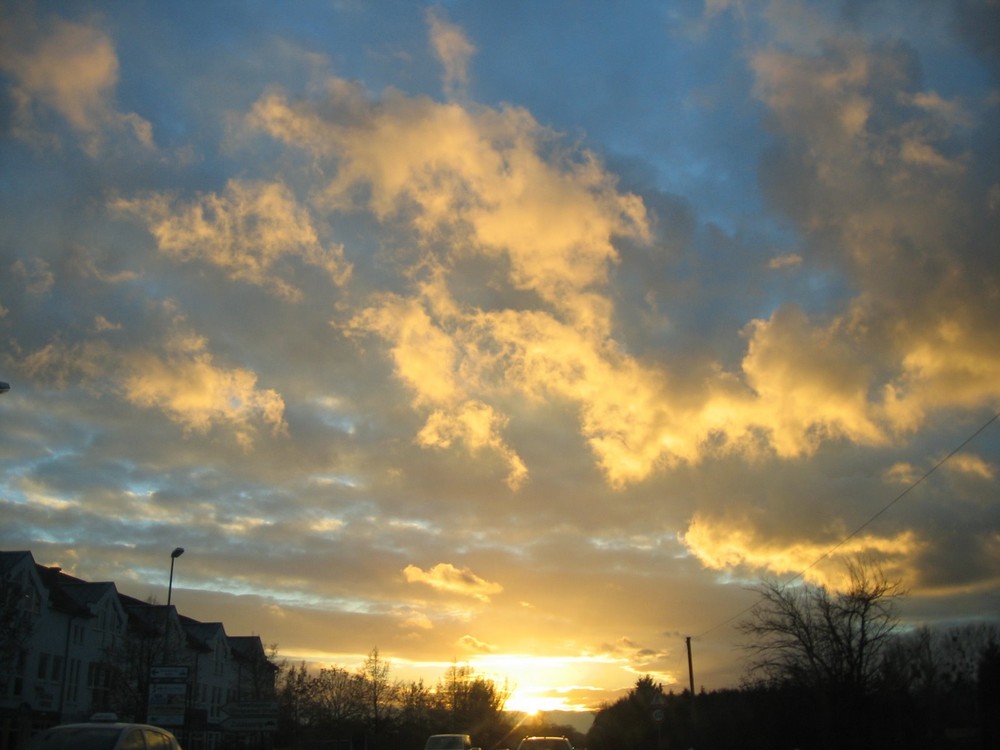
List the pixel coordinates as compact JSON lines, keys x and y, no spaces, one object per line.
{"x":76,"y":738}
{"x":545,"y":744}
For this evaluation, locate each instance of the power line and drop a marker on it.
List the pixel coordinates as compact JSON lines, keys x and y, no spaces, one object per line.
{"x":860,"y":528}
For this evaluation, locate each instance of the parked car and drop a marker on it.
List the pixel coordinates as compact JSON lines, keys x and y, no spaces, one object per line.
{"x":104,"y":736}
{"x":449,"y":742}
{"x":545,"y":743}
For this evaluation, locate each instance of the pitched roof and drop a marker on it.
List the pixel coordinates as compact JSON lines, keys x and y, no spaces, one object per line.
{"x":85,"y":594}
{"x":202,"y":632}
{"x":10,"y":560}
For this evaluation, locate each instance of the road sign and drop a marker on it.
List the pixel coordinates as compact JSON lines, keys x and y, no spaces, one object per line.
{"x":166,"y":703}
{"x":167,"y":695}
{"x":251,"y":724}
{"x":251,"y":708}
{"x":168,"y":674}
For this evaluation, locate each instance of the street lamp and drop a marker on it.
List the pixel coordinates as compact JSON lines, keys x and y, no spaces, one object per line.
{"x":178,"y":551}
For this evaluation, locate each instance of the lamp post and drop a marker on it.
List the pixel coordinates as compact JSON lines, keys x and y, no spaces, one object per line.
{"x":178,"y":551}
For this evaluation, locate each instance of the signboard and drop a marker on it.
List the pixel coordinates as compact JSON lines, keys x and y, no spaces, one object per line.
{"x":251,"y":724}
{"x":168,"y":674}
{"x":166,"y":704}
{"x":167,"y":696}
{"x":251,"y":716}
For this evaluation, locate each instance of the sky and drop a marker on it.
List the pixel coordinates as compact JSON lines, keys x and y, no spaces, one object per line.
{"x":528,"y":336}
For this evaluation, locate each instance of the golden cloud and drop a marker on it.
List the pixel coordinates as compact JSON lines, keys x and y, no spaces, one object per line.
{"x":809,"y":381}
{"x":474,"y":645}
{"x":726,"y":543}
{"x":183,"y":382}
{"x":952,"y":363}
{"x":446,"y":577}
{"x":895,"y":244}
{"x":245,"y":231}
{"x":187,"y":386}
{"x":967,"y":463}
{"x":477,"y":426}
{"x":493,"y":186}
{"x":414,"y":620}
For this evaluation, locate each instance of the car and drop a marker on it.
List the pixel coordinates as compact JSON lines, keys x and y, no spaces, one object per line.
{"x":449,"y":742}
{"x":545,"y":743}
{"x":103,"y":735}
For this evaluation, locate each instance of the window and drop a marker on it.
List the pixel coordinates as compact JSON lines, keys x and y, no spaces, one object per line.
{"x":99,"y":683}
{"x":33,"y":602}
{"x":220,"y":660}
{"x":157,"y":740}
{"x":73,"y":683}
{"x":17,"y":689}
{"x":133,"y":741}
{"x":57,"y":662}
{"x":43,"y":666}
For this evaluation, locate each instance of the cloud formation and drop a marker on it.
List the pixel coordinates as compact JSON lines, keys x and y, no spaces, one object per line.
{"x":446,"y":577}
{"x":70,"y":69}
{"x":531,"y":345}
{"x":246,"y":231}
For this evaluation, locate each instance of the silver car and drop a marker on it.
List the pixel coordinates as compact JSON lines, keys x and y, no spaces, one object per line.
{"x":104,"y":736}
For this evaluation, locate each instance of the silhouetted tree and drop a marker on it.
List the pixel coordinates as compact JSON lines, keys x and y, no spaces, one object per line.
{"x":293,"y":698}
{"x":933,"y":680}
{"x":380,"y":692}
{"x":988,"y":688}
{"x":337,"y":699}
{"x":368,"y":706}
{"x":828,"y":642}
{"x":471,"y":703}
{"x":415,"y":719}
{"x":627,"y":724}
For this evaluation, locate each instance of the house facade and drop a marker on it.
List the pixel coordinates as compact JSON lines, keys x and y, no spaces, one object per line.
{"x":71,"y":648}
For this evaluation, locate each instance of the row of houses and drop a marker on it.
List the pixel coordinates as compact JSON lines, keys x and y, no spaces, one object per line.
{"x":70,"y":649}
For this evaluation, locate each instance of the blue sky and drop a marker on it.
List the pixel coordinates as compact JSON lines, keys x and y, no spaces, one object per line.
{"x":522,"y":334}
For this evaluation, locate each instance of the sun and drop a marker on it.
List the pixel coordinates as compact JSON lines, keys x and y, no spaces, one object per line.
{"x":532,"y":703}
{"x":537,"y":683}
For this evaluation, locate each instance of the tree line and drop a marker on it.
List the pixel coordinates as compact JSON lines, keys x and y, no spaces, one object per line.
{"x":367,"y":709}
{"x":828,"y":669}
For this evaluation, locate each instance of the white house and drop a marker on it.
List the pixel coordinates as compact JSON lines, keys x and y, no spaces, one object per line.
{"x":70,"y":648}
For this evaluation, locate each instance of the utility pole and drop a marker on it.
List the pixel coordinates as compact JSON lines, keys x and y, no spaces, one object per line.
{"x":690,"y":667}
{"x":691,"y":678}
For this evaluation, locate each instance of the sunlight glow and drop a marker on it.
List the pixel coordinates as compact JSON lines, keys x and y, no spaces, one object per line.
{"x":533,"y":703}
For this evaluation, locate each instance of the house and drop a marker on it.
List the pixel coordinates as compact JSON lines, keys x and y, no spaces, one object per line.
{"x":70,"y":648}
